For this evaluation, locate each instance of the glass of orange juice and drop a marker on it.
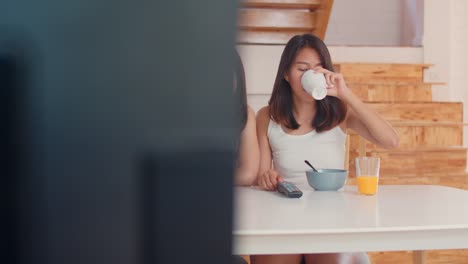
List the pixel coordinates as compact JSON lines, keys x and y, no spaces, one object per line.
{"x":367,"y":172}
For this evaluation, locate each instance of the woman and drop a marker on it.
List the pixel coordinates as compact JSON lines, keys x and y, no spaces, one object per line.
{"x":295,"y":127}
{"x":248,"y":155}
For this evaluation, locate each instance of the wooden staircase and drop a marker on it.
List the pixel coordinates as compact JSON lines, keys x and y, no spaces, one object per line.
{"x":276,"y":21}
{"x":431,"y":149}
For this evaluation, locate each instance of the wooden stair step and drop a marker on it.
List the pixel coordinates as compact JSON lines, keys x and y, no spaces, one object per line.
{"x":433,"y":257}
{"x":427,"y":124}
{"x":365,"y":72}
{"x":420,"y":111}
{"x":267,"y":19}
{"x":276,"y":21}
{"x":392,"y":92}
{"x":452,"y":180}
{"x":249,"y":36}
{"x":387,"y":81}
{"x":417,"y":134}
{"x":421,"y":149}
{"x":418,"y":161}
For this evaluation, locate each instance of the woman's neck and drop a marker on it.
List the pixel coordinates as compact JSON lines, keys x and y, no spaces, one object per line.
{"x":303,"y":111}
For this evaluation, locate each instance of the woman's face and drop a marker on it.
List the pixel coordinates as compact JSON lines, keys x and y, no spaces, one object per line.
{"x":306,"y":59}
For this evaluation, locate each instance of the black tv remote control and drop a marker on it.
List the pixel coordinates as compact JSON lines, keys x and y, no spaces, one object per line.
{"x":289,"y":190}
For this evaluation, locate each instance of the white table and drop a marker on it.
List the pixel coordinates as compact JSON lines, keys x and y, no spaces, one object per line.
{"x":399,"y":217}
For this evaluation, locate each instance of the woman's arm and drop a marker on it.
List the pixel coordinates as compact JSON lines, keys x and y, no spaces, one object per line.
{"x":267,"y":177}
{"x":249,"y":155}
{"x":366,"y":122}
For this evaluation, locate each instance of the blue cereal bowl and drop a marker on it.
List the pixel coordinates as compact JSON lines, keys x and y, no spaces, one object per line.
{"x":327,"y":179}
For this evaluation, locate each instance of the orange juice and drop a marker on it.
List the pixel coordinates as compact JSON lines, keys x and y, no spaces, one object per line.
{"x":367,"y":184}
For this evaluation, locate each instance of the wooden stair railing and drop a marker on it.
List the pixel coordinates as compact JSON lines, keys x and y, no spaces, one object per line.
{"x":276,"y":21}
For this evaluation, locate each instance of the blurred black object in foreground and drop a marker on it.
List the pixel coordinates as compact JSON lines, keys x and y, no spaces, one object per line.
{"x":118,"y":130}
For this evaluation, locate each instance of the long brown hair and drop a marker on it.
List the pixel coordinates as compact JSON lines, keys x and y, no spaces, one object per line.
{"x":240,"y":97}
{"x":240,"y":92}
{"x":331,"y":111}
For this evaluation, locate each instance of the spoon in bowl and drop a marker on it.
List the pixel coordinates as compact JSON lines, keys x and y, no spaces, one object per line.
{"x":310,"y":165}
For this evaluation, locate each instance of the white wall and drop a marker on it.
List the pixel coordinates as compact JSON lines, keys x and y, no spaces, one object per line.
{"x":375,"y":23}
{"x":459,"y":57}
{"x":445,"y":41}
{"x":436,"y":42}
{"x":412,"y":22}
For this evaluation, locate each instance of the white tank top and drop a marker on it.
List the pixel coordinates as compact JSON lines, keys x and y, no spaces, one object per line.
{"x":325,"y":150}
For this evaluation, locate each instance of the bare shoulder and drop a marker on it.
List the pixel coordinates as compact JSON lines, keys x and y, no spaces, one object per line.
{"x":250,"y":113}
{"x":251,"y":122}
{"x":263,"y":114}
{"x":263,"y":119}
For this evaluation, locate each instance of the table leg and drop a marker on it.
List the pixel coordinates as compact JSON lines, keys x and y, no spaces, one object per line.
{"x":419,"y":257}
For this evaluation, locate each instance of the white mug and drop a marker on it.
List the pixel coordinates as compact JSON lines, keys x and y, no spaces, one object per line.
{"x":315,"y":84}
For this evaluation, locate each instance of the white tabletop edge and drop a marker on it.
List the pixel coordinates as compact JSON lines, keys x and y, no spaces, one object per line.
{"x":345,"y":231}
